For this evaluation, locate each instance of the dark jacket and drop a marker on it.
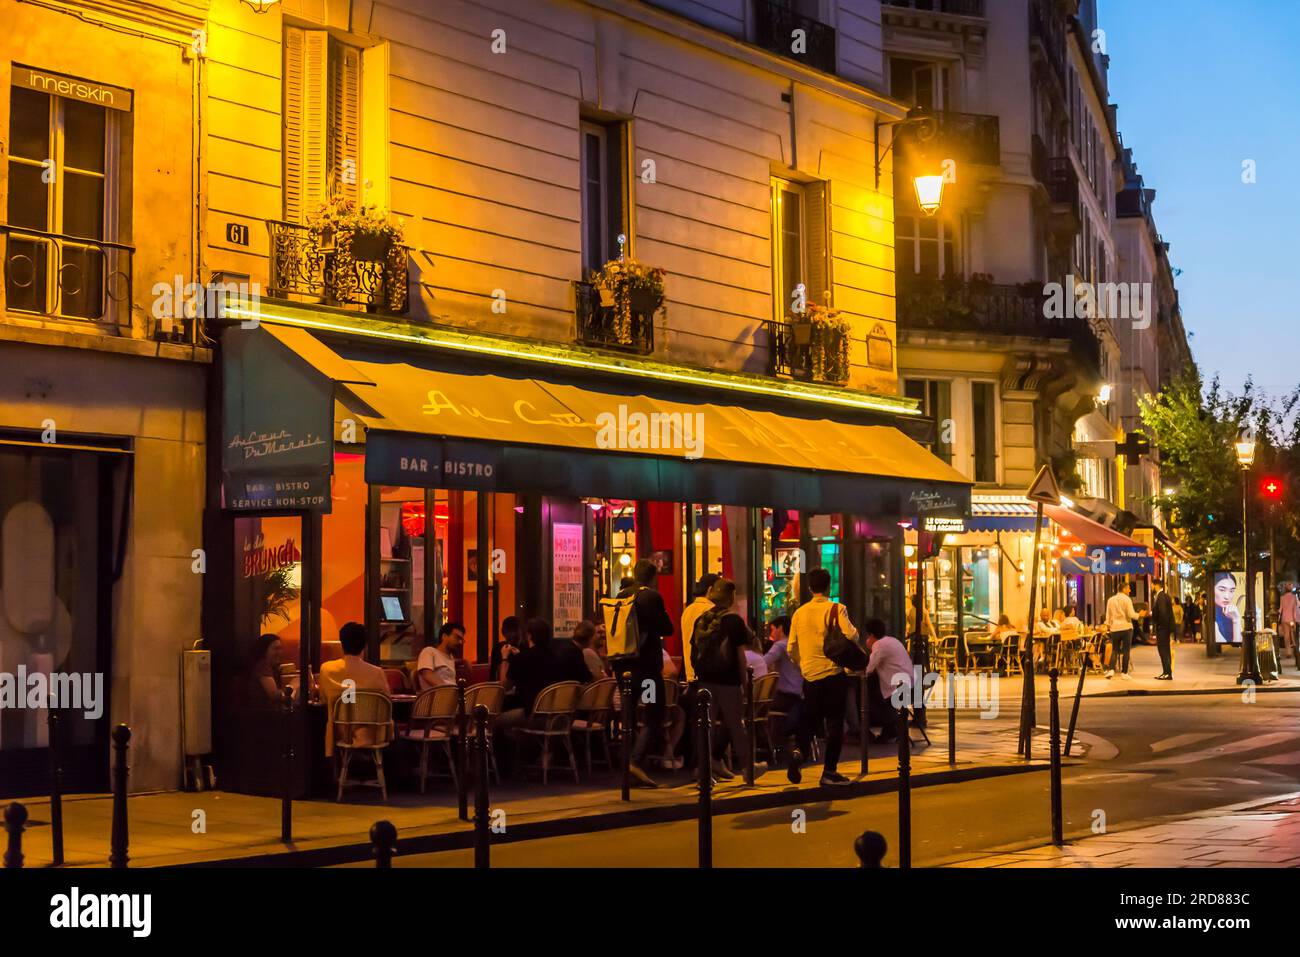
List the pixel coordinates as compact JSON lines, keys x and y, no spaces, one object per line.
{"x":654,"y":624}
{"x":535,"y":668}
{"x":1162,"y":613}
{"x":735,"y":636}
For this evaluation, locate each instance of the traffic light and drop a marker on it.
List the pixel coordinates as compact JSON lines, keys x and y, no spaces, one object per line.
{"x":1270,"y":488}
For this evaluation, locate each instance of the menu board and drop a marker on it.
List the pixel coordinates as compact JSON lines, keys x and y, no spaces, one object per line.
{"x":566,"y":577}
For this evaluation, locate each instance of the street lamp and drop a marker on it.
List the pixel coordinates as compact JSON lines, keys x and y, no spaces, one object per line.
{"x":929,"y":193}
{"x":928,"y":184}
{"x":1245,"y":446}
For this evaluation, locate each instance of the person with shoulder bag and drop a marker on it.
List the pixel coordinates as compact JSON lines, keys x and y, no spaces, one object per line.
{"x":718,"y":660}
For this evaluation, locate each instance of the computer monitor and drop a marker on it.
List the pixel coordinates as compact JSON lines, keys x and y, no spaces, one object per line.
{"x":392,"y":608}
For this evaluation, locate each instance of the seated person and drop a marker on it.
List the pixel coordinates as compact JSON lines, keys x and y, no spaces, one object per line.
{"x":1071,"y":626}
{"x":889,"y":668}
{"x":436,"y":666}
{"x":525,"y":674}
{"x":350,"y":674}
{"x":584,"y":636}
{"x":264,"y":672}
{"x":503,"y":649}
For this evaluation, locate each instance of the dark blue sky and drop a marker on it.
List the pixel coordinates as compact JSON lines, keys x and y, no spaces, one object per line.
{"x":1203,"y":85}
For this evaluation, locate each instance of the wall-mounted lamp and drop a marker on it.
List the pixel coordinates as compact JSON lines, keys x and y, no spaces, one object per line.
{"x":260,"y":6}
{"x":928,"y":183}
{"x":1103,"y":394}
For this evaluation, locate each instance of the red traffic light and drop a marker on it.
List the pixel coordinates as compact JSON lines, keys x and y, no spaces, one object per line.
{"x":1270,"y":487}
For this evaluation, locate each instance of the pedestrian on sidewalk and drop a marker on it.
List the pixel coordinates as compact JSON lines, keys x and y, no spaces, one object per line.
{"x":1120,"y":616}
{"x":1162,"y":617}
{"x":718,"y":652}
{"x":1289,"y":615}
{"x":827,"y":686}
{"x":690,"y":615}
{"x":653,"y":626}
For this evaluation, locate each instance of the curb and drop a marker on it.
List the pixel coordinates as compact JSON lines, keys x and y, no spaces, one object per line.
{"x":1174,"y":692}
{"x":610,"y":820}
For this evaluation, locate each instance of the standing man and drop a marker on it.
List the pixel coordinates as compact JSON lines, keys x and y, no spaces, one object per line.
{"x":1120,"y":616}
{"x":827,"y":687}
{"x":690,"y":615}
{"x":653,"y":625}
{"x":1162,"y":616}
{"x":1290,"y":615}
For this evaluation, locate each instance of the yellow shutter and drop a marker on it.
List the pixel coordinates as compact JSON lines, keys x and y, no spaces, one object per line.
{"x":306,"y":58}
{"x":816,"y":242}
{"x":345,"y":121}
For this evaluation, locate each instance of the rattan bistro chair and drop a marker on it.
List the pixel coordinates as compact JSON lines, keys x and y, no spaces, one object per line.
{"x":364,"y":724}
{"x":491,"y":695}
{"x":596,"y":708}
{"x":764,"y":690}
{"x":433,"y":718}
{"x":552,"y":720}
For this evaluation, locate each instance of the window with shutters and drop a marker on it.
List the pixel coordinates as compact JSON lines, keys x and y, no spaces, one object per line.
{"x":604,"y":190}
{"x":63,"y":219}
{"x":322,"y":121}
{"x":799,"y":244}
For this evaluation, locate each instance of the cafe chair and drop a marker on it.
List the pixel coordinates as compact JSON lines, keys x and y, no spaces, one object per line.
{"x":364,"y":724}
{"x":552,"y":720}
{"x":396,"y":681}
{"x":491,"y":695}
{"x":945,"y":654}
{"x":764,"y":691}
{"x":596,"y":707}
{"x":433,"y":722}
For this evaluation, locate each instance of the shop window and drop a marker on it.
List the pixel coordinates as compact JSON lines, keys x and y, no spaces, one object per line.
{"x":322,"y":121}
{"x":800,"y":244}
{"x":65,"y":165}
{"x":603,"y":169}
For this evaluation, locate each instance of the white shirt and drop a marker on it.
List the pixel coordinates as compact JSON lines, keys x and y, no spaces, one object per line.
{"x":756,"y":661}
{"x":440,"y":663}
{"x":891,"y":664}
{"x":1120,"y":613}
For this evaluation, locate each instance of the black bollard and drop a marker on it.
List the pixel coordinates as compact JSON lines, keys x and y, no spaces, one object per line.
{"x":383,"y":843}
{"x":870,"y":847}
{"x":1074,"y":711}
{"x":628,"y":730}
{"x":462,"y":750}
{"x":15,"y":821}
{"x":117,"y":854}
{"x":1054,"y":696}
{"x":952,"y":715}
{"x":749,"y":726}
{"x":704,"y":766}
{"x":864,"y":732}
{"x":482,"y":836}
{"x":56,"y":787}
{"x":286,"y":792}
{"x":904,"y":792}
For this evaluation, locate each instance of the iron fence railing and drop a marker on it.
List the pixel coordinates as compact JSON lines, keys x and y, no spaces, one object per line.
{"x":965,"y":137}
{"x":68,"y":277}
{"x":780,"y":29}
{"x":606,"y":326}
{"x":964,"y":8}
{"x":812,"y":360}
{"x":302,"y":263}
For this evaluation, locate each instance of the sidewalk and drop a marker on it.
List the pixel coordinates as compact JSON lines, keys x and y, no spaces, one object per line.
{"x":178,"y":827}
{"x":1259,"y":834}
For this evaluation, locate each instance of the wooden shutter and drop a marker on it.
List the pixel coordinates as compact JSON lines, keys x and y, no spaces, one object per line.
{"x":345,"y":121}
{"x":306,"y":69}
{"x":816,"y":245}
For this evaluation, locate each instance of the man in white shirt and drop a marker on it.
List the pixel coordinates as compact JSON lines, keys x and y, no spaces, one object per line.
{"x":1120,"y":616}
{"x":888,"y":670}
{"x":436,"y":665}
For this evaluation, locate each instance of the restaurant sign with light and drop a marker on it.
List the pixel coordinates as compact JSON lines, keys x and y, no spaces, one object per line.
{"x":937,"y":524}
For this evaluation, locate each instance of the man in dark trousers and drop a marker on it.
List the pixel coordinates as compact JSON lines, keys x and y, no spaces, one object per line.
{"x":653,"y":625}
{"x":1162,"y":617}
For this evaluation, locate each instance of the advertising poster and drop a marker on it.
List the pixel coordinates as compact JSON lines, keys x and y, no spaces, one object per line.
{"x":566,"y":577}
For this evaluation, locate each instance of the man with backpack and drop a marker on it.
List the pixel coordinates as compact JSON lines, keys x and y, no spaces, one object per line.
{"x":816,"y":627}
{"x":718,"y":660}
{"x":636,"y":623}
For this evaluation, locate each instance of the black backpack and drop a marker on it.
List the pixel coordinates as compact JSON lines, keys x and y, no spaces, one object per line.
{"x":710,"y":657}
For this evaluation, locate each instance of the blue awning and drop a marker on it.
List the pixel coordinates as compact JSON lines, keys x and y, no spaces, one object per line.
{"x":987,"y":516}
{"x":1110,"y":560}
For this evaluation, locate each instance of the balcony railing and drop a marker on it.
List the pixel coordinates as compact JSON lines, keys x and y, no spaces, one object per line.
{"x":964,"y":8}
{"x":302,"y":266}
{"x":990,"y":309}
{"x":68,"y":277}
{"x":774,"y":29}
{"x":965,"y":137}
{"x":1062,"y":182}
{"x":602,"y":325}
{"x":1048,"y":30}
{"x":805,"y":361}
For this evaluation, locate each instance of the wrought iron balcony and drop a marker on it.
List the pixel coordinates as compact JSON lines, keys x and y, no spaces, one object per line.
{"x":964,"y":137}
{"x":964,"y":8}
{"x":806,"y":360}
{"x":774,"y":29}
{"x":68,"y":277}
{"x":990,"y":309}
{"x":1047,"y":30}
{"x":304,"y":263}
{"x":606,"y":326}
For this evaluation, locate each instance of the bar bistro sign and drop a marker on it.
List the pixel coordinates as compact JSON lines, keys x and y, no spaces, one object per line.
{"x":69,"y":87}
{"x":938,"y":513}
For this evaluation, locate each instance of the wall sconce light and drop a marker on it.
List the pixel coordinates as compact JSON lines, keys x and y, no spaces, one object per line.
{"x":929,"y":193}
{"x":260,"y":6}
{"x":929,"y":184}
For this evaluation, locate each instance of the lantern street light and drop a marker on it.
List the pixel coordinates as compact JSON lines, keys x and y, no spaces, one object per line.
{"x":1245,"y":447}
{"x":929,"y":193}
{"x":929,"y":182}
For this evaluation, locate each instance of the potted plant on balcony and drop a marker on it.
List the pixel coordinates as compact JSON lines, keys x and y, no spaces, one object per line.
{"x":350,"y":235}
{"x":633,"y":291}
{"x":825,"y":336}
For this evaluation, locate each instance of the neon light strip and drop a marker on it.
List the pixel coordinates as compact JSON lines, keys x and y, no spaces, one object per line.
{"x":878,"y":404}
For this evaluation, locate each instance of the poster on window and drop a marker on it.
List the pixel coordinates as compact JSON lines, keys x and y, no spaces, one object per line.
{"x":1229,"y":605}
{"x":566,"y":577}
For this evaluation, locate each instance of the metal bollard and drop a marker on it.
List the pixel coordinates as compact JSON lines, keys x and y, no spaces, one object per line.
{"x":56,"y":786}
{"x":952,"y":715}
{"x":462,"y":749}
{"x":1078,"y":696}
{"x":628,"y":732}
{"x":15,"y":821}
{"x":704,"y":766}
{"x":864,"y":732}
{"x":383,"y":843}
{"x":482,"y":836}
{"x":286,"y":795}
{"x":1054,"y":696}
{"x":117,"y":854}
{"x":904,"y":792}
{"x":749,"y":726}
{"x":870,"y":847}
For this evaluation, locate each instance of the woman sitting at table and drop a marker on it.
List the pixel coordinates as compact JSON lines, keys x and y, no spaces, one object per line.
{"x":1070,"y":625}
